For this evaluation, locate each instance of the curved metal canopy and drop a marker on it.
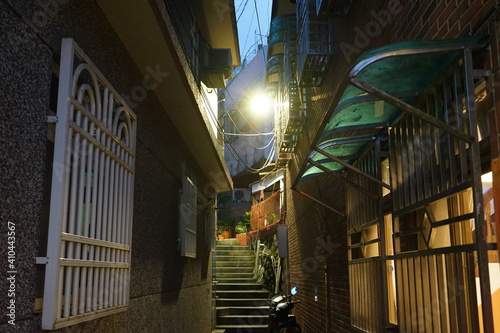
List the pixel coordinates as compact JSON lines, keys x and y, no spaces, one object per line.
{"x":404,"y":70}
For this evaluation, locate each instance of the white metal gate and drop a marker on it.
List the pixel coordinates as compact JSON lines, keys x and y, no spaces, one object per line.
{"x":88,"y":254}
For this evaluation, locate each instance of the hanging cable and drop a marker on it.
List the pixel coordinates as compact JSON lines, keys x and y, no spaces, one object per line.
{"x":194,"y":47}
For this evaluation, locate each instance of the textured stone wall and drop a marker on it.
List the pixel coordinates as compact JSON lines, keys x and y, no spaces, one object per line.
{"x":168,"y":293}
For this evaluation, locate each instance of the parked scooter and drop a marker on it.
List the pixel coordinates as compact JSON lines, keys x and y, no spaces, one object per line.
{"x":280,"y":308}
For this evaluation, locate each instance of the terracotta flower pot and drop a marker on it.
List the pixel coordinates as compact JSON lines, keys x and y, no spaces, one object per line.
{"x":242,"y":238}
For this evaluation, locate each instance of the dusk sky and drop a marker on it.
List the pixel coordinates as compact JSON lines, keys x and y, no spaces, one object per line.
{"x":249,"y":34}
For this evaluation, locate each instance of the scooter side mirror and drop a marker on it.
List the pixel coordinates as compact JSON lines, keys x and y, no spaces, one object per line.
{"x":294,"y":290}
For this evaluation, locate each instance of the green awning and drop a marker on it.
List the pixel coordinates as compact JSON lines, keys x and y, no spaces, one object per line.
{"x":404,"y":70}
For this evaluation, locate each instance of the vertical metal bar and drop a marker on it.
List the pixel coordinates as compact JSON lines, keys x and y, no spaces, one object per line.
{"x":443,"y":293}
{"x":400,"y":166}
{"x":424,"y":139}
{"x":59,"y":193}
{"x":407,"y":292}
{"x":80,"y":210}
{"x":113,"y":231}
{"x":495,"y":170}
{"x":463,"y":291}
{"x":101,"y":232}
{"x":432,"y":148}
{"x":382,"y":236}
{"x":393,"y":167}
{"x":120,"y":226}
{"x":419,"y":293}
{"x":453,"y":300}
{"x":106,"y":220}
{"x":411,"y":159}
{"x":93,"y":222}
{"x":87,"y":218}
{"x":426,"y":298}
{"x":404,"y":161}
{"x":471,"y":280}
{"x":480,"y":224}
{"x":452,"y":160}
{"x":400,"y":308}
{"x":73,"y":212}
{"x":418,"y":167}
{"x":439,"y":142}
{"x":460,"y":124}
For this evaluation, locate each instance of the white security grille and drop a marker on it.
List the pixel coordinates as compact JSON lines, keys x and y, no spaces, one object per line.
{"x":88,"y":253}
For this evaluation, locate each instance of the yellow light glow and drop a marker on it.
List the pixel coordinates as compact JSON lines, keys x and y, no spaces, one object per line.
{"x":260,"y":104}
{"x":487,"y":179}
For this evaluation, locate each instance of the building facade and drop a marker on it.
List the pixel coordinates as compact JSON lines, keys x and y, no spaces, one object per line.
{"x":391,"y":182}
{"x":111,"y":158}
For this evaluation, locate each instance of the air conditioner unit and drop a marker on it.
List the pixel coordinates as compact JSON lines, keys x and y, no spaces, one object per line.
{"x":216,"y":67}
{"x":241,"y":195}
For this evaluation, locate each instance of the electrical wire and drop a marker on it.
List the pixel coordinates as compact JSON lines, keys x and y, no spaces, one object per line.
{"x":205,"y":97}
{"x":258,"y":24}
{"x":248,"y":34}
{"x":241,"y":13}
{"x":249,"y":168}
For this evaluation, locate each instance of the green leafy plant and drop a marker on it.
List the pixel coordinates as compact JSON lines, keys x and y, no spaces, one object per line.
{"x":241,"y":228}
{"x":243,"y":225}
{"x":268,"y":277}
{"x":222,"y":225}
{"x":271,"y":218}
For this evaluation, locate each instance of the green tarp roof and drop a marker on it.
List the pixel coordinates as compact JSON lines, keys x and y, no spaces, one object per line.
{"x":404,"y":70}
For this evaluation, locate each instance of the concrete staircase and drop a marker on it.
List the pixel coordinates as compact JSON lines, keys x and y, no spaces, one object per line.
{"x":240,"y":300}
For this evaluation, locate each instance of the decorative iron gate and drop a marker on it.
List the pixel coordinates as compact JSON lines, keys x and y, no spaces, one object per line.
{"x":90,"y":226}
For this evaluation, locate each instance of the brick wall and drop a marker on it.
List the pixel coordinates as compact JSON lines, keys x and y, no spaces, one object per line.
{"x":369,"y":25}
{"x":318,"y":257}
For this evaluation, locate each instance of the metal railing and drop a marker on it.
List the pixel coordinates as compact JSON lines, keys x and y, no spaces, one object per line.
{"x":266,"y":212}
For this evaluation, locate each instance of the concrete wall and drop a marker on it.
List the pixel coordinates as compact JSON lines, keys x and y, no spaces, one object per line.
{"x":168,"y":293}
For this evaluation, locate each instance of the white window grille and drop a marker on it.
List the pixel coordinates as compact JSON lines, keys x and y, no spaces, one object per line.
{"x":188,"y":218}
{"x":88,"y":253}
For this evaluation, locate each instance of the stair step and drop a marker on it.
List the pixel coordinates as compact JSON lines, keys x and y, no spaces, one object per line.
{"x":247,"y":294}
{"x":228,"y":241}
{"x":240,"y":302}
{"x":243,"y":294}
{"x":223,"y":269}
{"x":243,"y":310}
{"x":235,"y":275}
{"x":236,"y":280}
{"x":241,"y":263}
{"x":243,"y":328}
{"x":252,"y":319}
{"x":238,"y":257}
{"x":232,"y":248}
{"x":239,"y":286}
{"x":232,"y":253}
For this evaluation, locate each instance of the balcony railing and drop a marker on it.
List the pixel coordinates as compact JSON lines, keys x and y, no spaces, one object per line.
{"x":266,"y":212}
{"x":314,"y":44}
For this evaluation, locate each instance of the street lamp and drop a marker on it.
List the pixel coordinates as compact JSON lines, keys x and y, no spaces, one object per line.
{"x":260,"y":104}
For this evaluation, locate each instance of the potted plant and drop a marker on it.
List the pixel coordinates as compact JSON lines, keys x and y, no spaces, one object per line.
{"x":242,"y":227}
{"x":223,"y":228}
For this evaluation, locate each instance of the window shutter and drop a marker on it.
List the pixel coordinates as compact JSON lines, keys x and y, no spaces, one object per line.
{"x":188,"y":218}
